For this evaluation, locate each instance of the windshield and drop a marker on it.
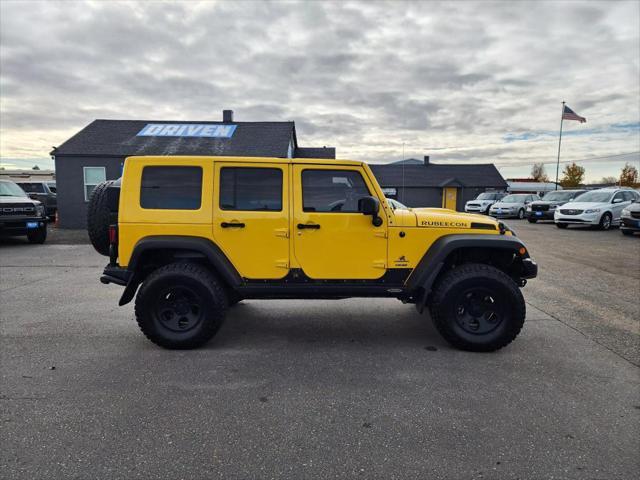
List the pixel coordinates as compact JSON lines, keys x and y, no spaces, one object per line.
{"x":558,"y":196}
{"x":514,"y":199}
{"x":487,"y":196}
{"x":594,"y":197}
{"x":10,"y":189}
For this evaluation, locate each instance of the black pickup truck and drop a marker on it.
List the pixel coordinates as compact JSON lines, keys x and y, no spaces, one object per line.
{"x":20,"y":215}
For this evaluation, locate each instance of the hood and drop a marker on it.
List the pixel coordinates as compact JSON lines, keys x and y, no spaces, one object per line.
{"x":585,"y":205}
{"x":18,"y":200}
{"x":481,"y":201}
{"x":506,"y":205}
{"x":443,"y":218}
{"x":548,"y":202}
{"x":634,"y":207}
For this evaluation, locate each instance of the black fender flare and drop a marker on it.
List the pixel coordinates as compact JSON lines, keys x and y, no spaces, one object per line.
{"x":193,"y":247}
{"x":424,"y":275}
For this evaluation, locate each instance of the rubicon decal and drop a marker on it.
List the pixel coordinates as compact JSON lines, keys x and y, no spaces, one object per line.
{"x":443,"y":224}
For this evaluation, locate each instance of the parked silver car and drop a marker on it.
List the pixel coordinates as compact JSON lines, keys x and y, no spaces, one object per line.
{"x":599,"y":208}
{"x":512,"y":206}
{"x":483,"y":202}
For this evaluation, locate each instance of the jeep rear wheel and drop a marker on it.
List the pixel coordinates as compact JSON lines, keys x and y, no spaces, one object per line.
{"x":180,"y":306}
{"x":478,"y":308}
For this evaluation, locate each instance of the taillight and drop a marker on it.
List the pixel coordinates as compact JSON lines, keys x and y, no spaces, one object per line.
{"x":113,"y":234}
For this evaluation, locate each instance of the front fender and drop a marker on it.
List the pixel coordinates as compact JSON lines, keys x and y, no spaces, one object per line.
{"x":426,"y":272}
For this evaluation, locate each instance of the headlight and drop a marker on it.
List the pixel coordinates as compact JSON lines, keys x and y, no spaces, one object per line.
{"x":40,"y":210}
{"x":592,"y":210}
{"x":528,"y":208}
{"x":626,"y":212}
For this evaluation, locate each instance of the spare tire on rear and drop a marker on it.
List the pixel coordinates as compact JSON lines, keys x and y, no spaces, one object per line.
{"x":99,"y":218}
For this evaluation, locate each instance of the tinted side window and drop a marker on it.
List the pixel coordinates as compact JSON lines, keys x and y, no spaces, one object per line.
{"x":32,"y":187}
{"x":250,"y":189}
{"x":629,"y":196}
{"x":175,"y":188}
{"x":332,"y":190}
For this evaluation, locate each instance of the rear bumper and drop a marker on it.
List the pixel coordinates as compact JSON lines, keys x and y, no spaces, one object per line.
{"x":115,"y":274}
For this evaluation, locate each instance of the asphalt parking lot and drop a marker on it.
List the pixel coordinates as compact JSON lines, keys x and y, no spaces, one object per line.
{"x":323,"y":389}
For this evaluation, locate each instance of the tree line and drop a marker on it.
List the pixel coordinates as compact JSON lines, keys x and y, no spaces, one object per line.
{"x":573,"y":175}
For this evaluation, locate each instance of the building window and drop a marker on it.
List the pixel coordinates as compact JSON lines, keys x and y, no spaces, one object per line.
{"x":251,"y":189}
{"x":332,"y":190}
{"x":171,"y":188}
{"x":92,"y":177}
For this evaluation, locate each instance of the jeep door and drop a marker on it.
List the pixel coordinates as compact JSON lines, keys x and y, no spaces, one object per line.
{"x":332,"y":240}
{"x":251,"y":217}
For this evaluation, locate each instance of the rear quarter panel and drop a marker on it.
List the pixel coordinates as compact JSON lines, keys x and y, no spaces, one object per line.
{"x":135,"y":222}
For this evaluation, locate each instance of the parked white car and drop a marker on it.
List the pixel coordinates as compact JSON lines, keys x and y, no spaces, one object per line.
{"x":482,"y":202}
{"x":513,"y":205}
{"x":600,"y":208}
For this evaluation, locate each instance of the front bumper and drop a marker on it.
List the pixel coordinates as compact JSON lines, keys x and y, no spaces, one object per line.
{"x":582,"y":219}
{"x":529,"y":268}
{"x":630,"y":223}
{"x":541,"y":214}
{"x":18,"y":226}
{"x":474,"y":209}
{"x":504,"y":213}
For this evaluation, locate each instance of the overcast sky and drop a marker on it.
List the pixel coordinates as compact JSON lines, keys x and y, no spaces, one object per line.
{"x":460,"y":81}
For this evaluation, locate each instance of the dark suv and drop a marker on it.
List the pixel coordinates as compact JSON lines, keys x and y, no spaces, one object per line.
{"x":45,"y":192}
{"x":21,"y":215}
{"x":545,"y":208}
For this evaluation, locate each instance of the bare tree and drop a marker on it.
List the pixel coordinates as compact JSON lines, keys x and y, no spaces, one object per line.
{"x":538,"y":173}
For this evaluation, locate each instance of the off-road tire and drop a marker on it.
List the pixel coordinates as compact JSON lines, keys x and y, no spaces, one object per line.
{"x":532,"y":220}
{"x":98,"y":218}
{"x":445,"y":299}
{"x":603,"y":224}
{"x":212,"y":305}
{"x":37,"y":235}
{"x":562,"y":225}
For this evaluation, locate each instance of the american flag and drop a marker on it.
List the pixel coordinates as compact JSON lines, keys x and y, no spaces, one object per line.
{"x":568,"y":114}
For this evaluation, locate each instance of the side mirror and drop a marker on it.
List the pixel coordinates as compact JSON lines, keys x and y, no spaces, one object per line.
{"x":617,"y":200}
{"x":370,"y":206}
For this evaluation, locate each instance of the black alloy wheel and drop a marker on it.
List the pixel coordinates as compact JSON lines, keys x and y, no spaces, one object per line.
{"x":478,"y":310}
{"x":179,"y":308}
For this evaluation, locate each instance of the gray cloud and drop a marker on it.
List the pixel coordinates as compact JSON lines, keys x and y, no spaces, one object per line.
{"x":368,"y":78}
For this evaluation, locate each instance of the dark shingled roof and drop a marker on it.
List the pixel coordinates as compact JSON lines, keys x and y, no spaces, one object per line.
{"x":118,"y":138}
{"x":311,"y":152}
{"x":439,"y":175}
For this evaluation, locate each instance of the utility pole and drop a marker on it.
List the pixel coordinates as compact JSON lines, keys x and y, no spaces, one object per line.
{"x":559,"y":143}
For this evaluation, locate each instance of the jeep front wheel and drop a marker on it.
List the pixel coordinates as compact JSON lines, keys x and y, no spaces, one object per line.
{"x":478,"y":308}
{"x":180,"y":306}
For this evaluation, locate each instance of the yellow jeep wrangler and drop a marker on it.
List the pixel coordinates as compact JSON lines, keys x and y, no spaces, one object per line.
{"x":195,"y":235}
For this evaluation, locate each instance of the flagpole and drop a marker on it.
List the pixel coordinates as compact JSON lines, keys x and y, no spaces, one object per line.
{"x":559,"y":143}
